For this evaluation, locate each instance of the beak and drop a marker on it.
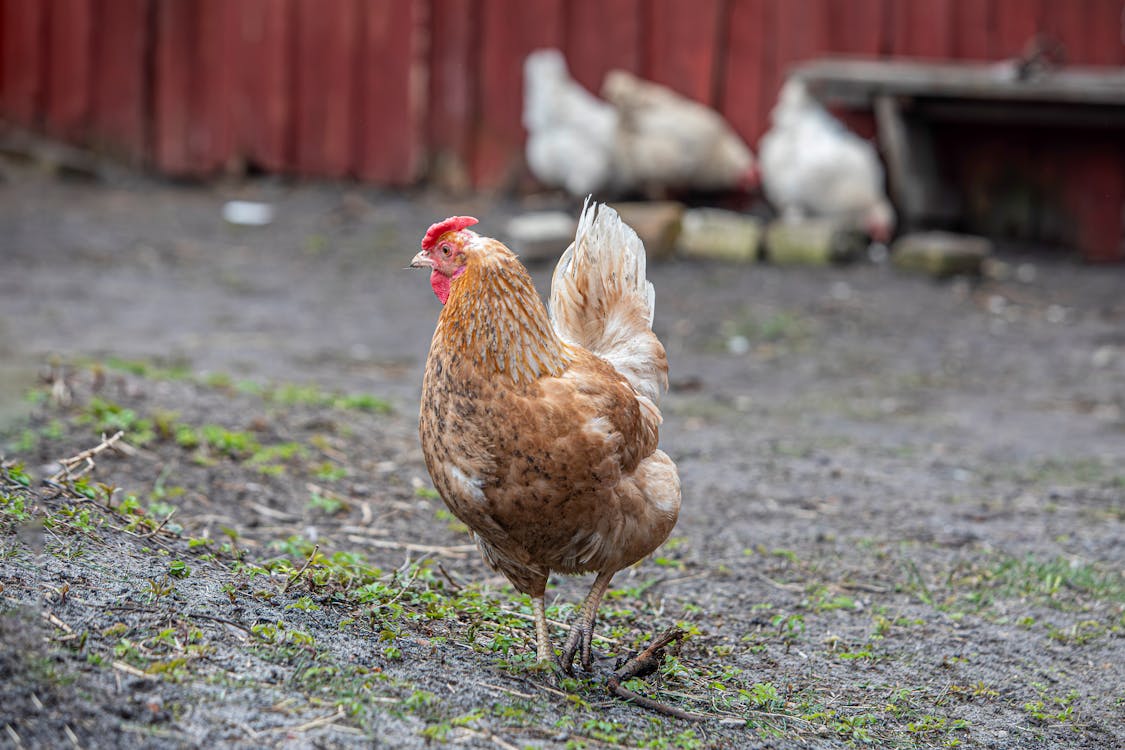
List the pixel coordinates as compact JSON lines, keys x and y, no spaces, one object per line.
{"x":421,"y":260}
{"x":750,"y":179}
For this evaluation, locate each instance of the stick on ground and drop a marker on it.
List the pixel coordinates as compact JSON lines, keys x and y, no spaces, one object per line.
{"x":645,"y":663}
{"x":87,"y":456}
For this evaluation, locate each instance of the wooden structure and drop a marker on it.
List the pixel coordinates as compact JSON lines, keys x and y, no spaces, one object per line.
{"x":1074,"y":118}
{"x":385,"y":90}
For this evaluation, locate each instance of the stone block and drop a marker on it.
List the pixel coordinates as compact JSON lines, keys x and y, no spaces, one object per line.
{"x":941,"y":254}
{"x":813,"y":242}
{"x":720,"y":235}
{"x":540,"y":235}
{"x":657,"y":223}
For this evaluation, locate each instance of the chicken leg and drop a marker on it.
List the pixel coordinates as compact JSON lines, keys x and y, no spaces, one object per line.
{"x":582,"y":631}
{"x":544,"y":653}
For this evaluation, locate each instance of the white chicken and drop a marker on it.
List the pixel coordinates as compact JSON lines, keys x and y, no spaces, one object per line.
{"x":668,"y":140}
{"x":644,"y":138}
{"x":571,"y":133}
{"x":814,"y":166}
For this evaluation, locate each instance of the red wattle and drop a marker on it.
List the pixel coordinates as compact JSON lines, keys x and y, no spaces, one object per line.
{"x":440,"y":282}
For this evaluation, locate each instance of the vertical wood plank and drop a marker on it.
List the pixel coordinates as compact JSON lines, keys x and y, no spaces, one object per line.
{"x":1017,"y":22}
{"x":923,"y":30}
{"x":1090,"y":31}
{"x":213,"y":89}
{"x":800,"y":31}
{"x":262,"y":110}
{"x":325,"y":64}
{"x":1066,"y":23}
{"x":176,"y":32}
{"x":744,"y":103}
{"x":22,"y":51}
{"x":974,"y":23}
{"x":767,"y":65}
{"x":3,"y":40}
{"x":1095,"y":196}
{"x":67,"y":82}
{"x":452,"y":89}
{"x":602,"y":35}
{"x":1106,"y":32}
{"x":390,"y":102}
{"x":119,"y":97}
{"x":857,"y":27}
{"x":681,"y":41}
{"x":194,"y":87}
{"x":510,"y":29}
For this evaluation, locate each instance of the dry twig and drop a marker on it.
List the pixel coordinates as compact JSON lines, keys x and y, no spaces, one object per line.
{"x":456,"y":586}
{"x":296,"y":576}
{"x":308,"y":725}
{"x":129,"y":669}
{"x":161,"y":526}
{"x":87,"y":457}
{"x":457,"y":550}
{"x":643,"y":664}
{"x":509,"y":691}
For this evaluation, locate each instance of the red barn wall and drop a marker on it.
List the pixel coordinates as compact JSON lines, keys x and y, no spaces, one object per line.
{"x":386,"y":90}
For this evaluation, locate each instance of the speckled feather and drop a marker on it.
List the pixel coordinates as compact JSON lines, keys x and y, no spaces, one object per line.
{"x":544,"y":449}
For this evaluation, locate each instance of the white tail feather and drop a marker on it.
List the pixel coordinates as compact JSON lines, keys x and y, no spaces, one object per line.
{"x":602,"y":301}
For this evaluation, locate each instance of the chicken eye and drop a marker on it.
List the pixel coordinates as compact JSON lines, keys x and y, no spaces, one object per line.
{"x":445,"y":250}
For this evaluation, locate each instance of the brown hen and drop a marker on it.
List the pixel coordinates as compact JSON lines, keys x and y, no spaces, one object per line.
{"x":540,"y":428}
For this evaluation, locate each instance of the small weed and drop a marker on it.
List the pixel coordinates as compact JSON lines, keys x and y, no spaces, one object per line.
{"x":762,"y":695}
{"x":277,"y":634}
{"x":311,"y":395}
{"x":305,"y":604}
{"x":152,"y":371}
{"x":14,"y":507}
{"x":1078,"y":634}
{"x":822,"y":600}
{"x":330,"y":472}
{"x":17,"y":473}
{"x":363,"y":402}
{"x":178,"y":569}
{"x":108,"y":417}
{"x":978,"y":690}
{"x":329,"y":504}
{"x":272,"y":459}
{"x":233,"y":443}
{"x":790,"y":628}
{"x":1052,"y":709}
{"x":160,"y":589}
{"x":930,"y":724}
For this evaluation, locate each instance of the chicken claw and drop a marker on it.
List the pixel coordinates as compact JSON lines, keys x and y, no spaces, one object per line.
{"x":582,"y":631}
{"x":581,"y":636}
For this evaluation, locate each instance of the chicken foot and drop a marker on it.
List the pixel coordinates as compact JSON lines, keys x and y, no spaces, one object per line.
{"x":582,"y":631}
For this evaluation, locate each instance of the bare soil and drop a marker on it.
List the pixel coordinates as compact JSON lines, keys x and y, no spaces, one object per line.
{"x":902,"y":519}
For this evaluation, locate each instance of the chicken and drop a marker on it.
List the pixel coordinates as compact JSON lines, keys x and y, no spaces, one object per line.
{"x":571,"y":133}
{"x":644,"y":138}
{"x":668,"y":140}
{"x":812,"y":165}
{"x":540,"y":427}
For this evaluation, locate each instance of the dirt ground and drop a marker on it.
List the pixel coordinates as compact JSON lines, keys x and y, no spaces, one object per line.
{"x":902,"y":517}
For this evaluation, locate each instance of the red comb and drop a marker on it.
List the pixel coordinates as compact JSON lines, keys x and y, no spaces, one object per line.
{"x":452,"y":224}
